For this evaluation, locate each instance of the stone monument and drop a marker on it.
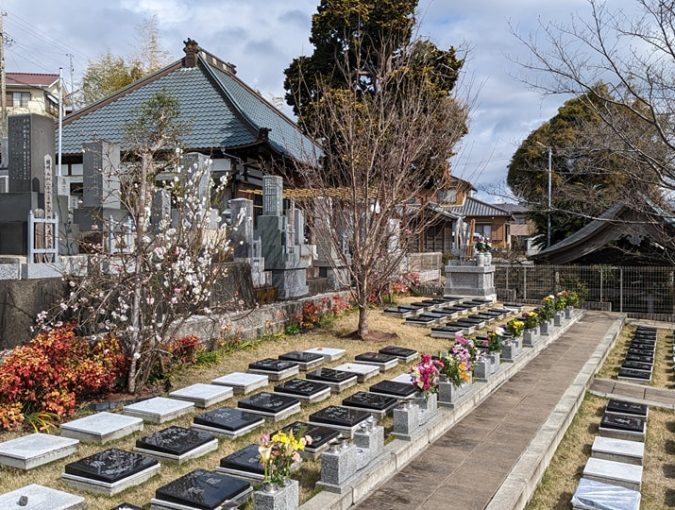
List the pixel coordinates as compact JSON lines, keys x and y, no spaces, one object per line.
{"x":246,"y":248}
{"x":330,"y":259}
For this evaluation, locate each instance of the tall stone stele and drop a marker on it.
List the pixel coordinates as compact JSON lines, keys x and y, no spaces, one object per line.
{"x":279,"y":243}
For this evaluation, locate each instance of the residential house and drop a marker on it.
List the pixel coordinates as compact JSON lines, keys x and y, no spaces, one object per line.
{"x":32,"y":93}
{"x":520,"y":227}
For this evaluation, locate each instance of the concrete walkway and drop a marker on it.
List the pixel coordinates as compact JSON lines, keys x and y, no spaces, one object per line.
{"x":631,"y":392}
{"x":466,"y":467}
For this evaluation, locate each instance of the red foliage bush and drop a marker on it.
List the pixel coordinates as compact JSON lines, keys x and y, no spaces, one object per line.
{"x":55,"y":369}
{"x":185,"y":349}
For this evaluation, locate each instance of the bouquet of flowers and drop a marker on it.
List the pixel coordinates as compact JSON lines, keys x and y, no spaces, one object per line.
{"x":561,"y":300}
{"x":515,"y":327}
{"x":531,"y":320}
{"x":482,"y":244}
{"x":495,"y":341}
{"x":573,"y":299}
{"x":426,"y":374}
{"x":465,"y":344}
{"x":278,"y":454}
{"x":547,"y":309}
{"x":457,"y":369}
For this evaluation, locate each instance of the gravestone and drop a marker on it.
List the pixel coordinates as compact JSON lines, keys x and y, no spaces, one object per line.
{"x":637,"y":357}
{"x":242,"y":383}
{"x":378,"y":405}
{"x":197,"y":170}
{"x":615,"y":473}
{"x":202,"y":490}
{"x":620,"y":407}
{"x":275,"y":369}
{"x":203,"y":395}
{"x":403,"y":378}
{"x":307,"y":391}
{"x":336,"y":379}
{"x":369,"y":441}
{"x":618,"y":450}
{"x":407,"y":421}
{"x":384,"y":361}
{"x":100,"y":175}
{"x":30,"y":137}
{"x":101,"y":427}
{"x":228,"y":422}
{"x":332,"y":251}
{"x":160,"y":212}
{"x":398,"y":390}
{"x":637,"y":365}
{"x":270,"y":405}
{"x":330,"y":353}
{"x":623,"y":426}
{"x":177,"y":443}
{"x":305,"y":360}
{"x":31,"y":451}
{"x":110,"y":471}
{"x":244,"y":463}
{"x":159,"y":409}
{"x":242,"y":227}
{"x":39,"y":497}
{"x":338,"y":466}
{"x":594,"y":495}
{"x":322,"y":437}
{"x":632,"y":374}
{"x":344,"y":419}
{"x":363,"y":371}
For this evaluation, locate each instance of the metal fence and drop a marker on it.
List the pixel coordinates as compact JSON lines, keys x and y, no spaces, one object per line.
{"x":641,"y":292}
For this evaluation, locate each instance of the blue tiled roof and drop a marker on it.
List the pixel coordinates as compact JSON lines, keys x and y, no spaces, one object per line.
{"x":221,"y":110}
{"x":473,"y":207}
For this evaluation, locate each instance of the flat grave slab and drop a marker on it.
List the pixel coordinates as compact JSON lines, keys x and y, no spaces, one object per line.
{"x":419,"y":322}
{"x":244,"y":463}
{"x":621,"y":407}
{"x":242,"y":383}
{"x":307,"y":391}
{"x":630,"y":374}
{"x":401,"y":313}
{"x":33,"y":450}
{"x":623,"y":426}
{"x":275,"y":369}
{"x":398,"y":390}
{"x":384,"y":361}
{"x":270,"y":405}
{"x":322,"y":437}
{"x":110,"y":471}
{"x":177,"y":443}
{"x":127,"y":506}
{"x":378,"y":405}
{"x":330,"y":353}
{"x":228,"y":422}
{"x":618,"y":450}
{"x":645,"y":358}
{"x":637,"y":365}
{"x":615,"y":473}
{"x":338,"y":380}
{"x":305,"y":360}
{"x":403,"y":378}
{"x":446,"y":332}
{"x":342,"y":419}
{"x":159,"y":409}
{"x":594,"y":495}
{"x":402,"y":353}
{"x":203,"y":395}
{"x":466,"y":327}
{"x":101,"y":427}
{"x":641,"y":347}
{"x":202,"y":490}
{"x":40,"y":497}
{"x":363,"y":371}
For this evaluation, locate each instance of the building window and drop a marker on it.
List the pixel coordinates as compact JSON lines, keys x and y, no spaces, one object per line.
{"x":484,"y":229}
{"x":19,"y":99}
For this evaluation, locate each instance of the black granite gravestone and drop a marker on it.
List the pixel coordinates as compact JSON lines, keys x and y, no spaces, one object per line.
{"x":339,"y":416}
{"x":267,"y":402}
{"x":301,"y":388}
{"x":637,"y":365}
{"x":228,"y":419}
{"x":110,"y":465}
{"x":618,"y":406}
{"x":644,"y":358}
{"x":640,"y":351}
{"x":206,"y":490}
{"x":174,"y":440}
{"x":246,"y":460}
{"x":375,"y":358}
{"x":399,"y":352}
{"x":623,"y":422}
{"x":272,"y":365}
{"x":301,"y":357}
{"x":321,"y":436}
{"x":394,"y":389}
{"x":330,"y":375}
{"x":634,"y":374}
{"x":370,"y":402}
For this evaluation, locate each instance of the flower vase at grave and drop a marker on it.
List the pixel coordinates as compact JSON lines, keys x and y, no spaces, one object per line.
{"x":488,"y":259}
{"x":530,"y":337}
{"x":481,"y":369}
{"x":450,"y":395}
{"x":545,"y":328}
{"x":569,"y":312}
{"x":495,"y":359}
{"x":557,"y":320}
{"x":480,"y":259}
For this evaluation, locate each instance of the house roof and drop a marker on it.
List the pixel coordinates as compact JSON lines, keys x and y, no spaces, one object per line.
{"x":31,"y":79}
{"x":222,"y":111}
{"x":472,"y":207}
{"x":513,"y":208}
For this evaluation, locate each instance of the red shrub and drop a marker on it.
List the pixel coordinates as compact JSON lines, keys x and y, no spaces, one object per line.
{"x":185,"y":349}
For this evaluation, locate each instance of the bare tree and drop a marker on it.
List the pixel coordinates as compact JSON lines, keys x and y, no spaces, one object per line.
{"x":384,"y":143}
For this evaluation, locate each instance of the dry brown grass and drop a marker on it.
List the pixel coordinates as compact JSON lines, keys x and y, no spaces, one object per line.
{"x":409,"y":336}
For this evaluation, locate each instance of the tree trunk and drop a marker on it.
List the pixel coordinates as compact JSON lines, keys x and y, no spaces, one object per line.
{"x":363,"y":322}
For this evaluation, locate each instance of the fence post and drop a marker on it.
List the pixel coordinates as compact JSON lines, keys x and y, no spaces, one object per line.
{"x":621,"y":289}
{"x":524,"y":283}
{"x":601,"y":283}
{"x":507,"y":276}
{"x":31,"y":238}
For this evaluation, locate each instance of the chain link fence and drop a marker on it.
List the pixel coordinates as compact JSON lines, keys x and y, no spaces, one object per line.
{"x":641,"y":292}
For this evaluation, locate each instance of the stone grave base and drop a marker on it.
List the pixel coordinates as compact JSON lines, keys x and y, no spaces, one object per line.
{"x":192,"y":454}
{"x":277,"y":376}
{"x":227,"y":433}
{"x":311,"y":399}
{"x":110,"y":489}
{"x":158,"y":504}
{"x":41,"y":498}
{"x":276,"y":417}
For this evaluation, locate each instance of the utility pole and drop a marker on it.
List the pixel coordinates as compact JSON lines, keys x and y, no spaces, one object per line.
{"x":59,"y":174}
{"x":3,"y":84}
{"x":550,"y":175}
{"x":72,"y":72}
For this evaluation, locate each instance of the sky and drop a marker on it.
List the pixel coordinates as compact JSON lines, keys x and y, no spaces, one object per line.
{"x":261,"y":37}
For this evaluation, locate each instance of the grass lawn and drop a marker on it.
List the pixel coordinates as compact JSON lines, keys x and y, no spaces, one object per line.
{"x":416,"y":338}
{"x":658,"y":480}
